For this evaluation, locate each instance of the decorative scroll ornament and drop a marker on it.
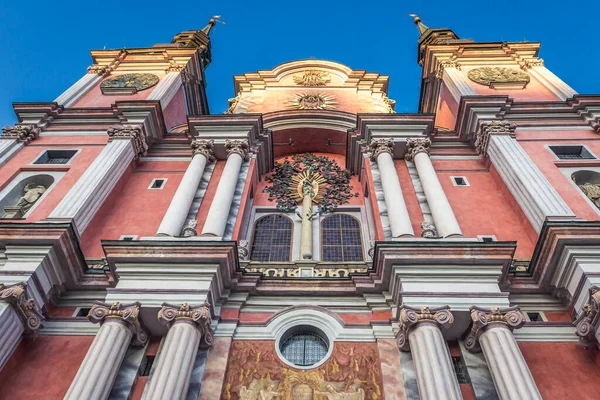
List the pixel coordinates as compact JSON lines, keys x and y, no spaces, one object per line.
{"x":239,"y":147}
{"x":530,"y":63}
{"x":483,"y":318}
{"x":371,"y":251}
{"x":243,"y":249}
{"x":204,"y":147}
{"x":389,"y":103}
{"x":232,"y":103}
{"x":312,"y":77}
{"x":499,"y":77}
{"x":26,"y":308}
{"x":380,"y":146}
{"x":446,"y":64}
{"x":428,"y":230}
{"x":190,"y":229}
{"x":489,"y":128}
{"x":197,"y":315}
{"x":174,"y":67}
{"x":126,"y":313}
{"x":588,"y":321}
{"x":410,"y":317}
{"x":22,"y":133}
{"x":312,"y":101}
{"x":135,"y":82}
{"x":416,"y":146}
{"x":133,"y":132}
{"x":99,"y":69}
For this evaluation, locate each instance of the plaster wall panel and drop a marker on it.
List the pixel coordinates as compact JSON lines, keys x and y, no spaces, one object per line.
{"x":447,"y":109}
{"x":209,"y":195}
{"x":175,"y":113}
{"x":410,"y":196}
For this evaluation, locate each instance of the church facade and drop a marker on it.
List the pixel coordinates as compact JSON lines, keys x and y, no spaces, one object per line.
{"x":308,"y":243}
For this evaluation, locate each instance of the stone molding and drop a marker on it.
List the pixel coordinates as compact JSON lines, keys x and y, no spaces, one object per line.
{"x":199,"y":316}
{"x":380,"y":146}
{"x":588,"y":321}
{"x":416,"y":146}
{"x":26,"y":308}
{"x":204,"y":147}
{"x":428,"y":230}
{"x":127,"y":314}
{"x":483,"y":318}
{"x":446,"y":64}
{"x":243,"y":249}
{"x":410,"y":317}
{"x":488,"y":128}
{"x":239,"y":147}
{"x":133,"y":132}
{"x":21,"y":133}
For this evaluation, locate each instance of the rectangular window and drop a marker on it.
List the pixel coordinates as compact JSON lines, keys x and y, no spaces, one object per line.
{"x":459,"y":181}
{"x":572,"y":152}
{"x":460,"y":368}
{"x":55,"y":157}
{"x":158,"y":183}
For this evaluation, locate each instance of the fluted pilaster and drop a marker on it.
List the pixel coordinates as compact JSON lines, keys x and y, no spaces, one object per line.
{"x":492,"y":333}
{"x":11,"y":330}
{"x":72,"y":95}
{"x":454,"y":80}
{"x":167,"y":88}
{"x":97,"y":373}
{"x":189,"y":327}
{"x":421,"y":333}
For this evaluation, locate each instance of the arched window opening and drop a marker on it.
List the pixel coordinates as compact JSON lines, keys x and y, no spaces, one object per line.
{"x":304,"y":348}
{"x":589,"y":183}
{"x":341,"y":238}
{"x":272,"y":240}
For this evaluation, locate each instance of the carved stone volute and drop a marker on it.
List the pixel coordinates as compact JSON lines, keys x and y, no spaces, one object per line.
{"x":416,"y":146}
{"x":483,"y":318}
{"x":196,"y":315}
{"x":26,"y":308}
{"x":380,"y":146}
{"x":588,"y":321}
{"x":240,"y":147}
{"x":127,"y":314}
{"x":204,"y":147}
{"x":410,"y":317}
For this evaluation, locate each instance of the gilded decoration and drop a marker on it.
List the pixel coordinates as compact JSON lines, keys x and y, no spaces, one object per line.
{"x":232,"y":103}
{"x":587,"y":322}
{"x":494,"y":77}
{"x":389,"y":104}
{"x":275,"y":272}
{"x":131,"y":83}
{"x":26,"y":308}
{"x":312,"y":77}
{"x":484,"y":318}
{"x":196,"y":315}
{"x":410,"y":317}
{"x":255,"y":372}
{"x":312,"y":101}
{"x":124,"y":313}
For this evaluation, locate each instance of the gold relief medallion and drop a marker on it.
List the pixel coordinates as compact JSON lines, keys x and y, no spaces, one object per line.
{"x":128,"y":83}
{"x":312,"y":101}
{"x":312,"y":77}
{"x":499,"y":77}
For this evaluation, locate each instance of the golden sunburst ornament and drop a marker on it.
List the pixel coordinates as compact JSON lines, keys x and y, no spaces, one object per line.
{"x":314,"y":179}
{"x":312,"y":101}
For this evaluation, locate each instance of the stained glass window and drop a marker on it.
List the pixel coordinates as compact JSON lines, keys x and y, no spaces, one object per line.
{"x":304,"y":349}
{"x":341,"y":238}
{"x":272,"y":239}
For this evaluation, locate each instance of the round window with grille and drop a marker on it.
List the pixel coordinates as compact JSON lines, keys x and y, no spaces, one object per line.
{"x":304,"y":348}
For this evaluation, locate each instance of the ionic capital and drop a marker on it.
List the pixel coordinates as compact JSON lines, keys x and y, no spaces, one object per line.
{"x":26,"y":308}
{"x":489,"y":128}
{"x":204,"y":147}
{"x":483,"y":318}
{"x":128,"y":314}
{"x":239,"y":147}
{"x":410,"y":317}
{"x":196,"y":315}
{"x":416,"y":146}
{"x":22,"y":133}
{"x":589,"y":320}
{"x":381,"y":146}
{"x":133,"y":132}
{"x":446,"y":64}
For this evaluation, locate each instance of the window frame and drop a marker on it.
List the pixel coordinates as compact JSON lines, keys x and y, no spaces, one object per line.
{"x":584,"y":148}
{"x":321,"y":246}
{"x":253,"y":236}
{"x":41,"y":154}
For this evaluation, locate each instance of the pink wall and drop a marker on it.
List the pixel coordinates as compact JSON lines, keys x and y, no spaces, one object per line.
{"x":410,"y":196}
{"x":447,"y":109}
{"x":175,"y":113}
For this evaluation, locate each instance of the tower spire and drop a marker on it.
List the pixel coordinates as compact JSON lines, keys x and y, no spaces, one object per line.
{"x":420,"y":25}
{"x":211,"y":23}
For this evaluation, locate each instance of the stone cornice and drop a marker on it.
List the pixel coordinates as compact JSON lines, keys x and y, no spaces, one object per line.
{"x":152,"y":59}
{"x":123,"y":313}
{"x":483,"y":319}
{"x":26,"y":308}
{"x":410,"y":317}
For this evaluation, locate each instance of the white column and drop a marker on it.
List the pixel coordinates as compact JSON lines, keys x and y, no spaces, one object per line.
{"x":216,"y":220}
{"x":557,"y":86}
{"x":83,"y":201}
{"x":492,"y":333}
{"x":97,"y":373}
{"x":532,"y":191}
{"x":454,"y":80}
{"x":441,"y":211}
{"x":167,"y":88}
{"x":19,"y":316}
{"x":78,"y":89}
{"x":188,"y":325}
{"x":400,"y":224}
{"x":420,"y":332}
{"x":176,"y":214}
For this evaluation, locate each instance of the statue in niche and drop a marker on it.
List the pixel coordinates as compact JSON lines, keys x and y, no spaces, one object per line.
{"x":31,"y":194}
{"x":592,"y":191}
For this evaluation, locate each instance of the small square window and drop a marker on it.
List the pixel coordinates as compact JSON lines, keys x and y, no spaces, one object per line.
{"x":459,"y":181}
{"x":55,"y":157}
{"x":572,"y":153}
{"x":158,"y":183}
{"x":535,"y":317}
{"x":128,"y":238}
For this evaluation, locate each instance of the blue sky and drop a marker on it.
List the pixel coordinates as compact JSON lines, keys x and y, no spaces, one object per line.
{"x":45,"y":46}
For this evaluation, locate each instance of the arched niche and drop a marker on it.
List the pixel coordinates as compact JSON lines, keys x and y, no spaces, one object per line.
{"x":11,"y":195}
{"x":589,"y":184}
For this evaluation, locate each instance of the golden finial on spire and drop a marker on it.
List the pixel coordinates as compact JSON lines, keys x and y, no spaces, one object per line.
{"x":211,"y":23}
{"x":422,"y":27}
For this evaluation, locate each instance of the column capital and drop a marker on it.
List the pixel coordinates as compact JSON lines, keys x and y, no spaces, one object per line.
{"x":239,"y":147}
{"x":26,"y":308}
{"x":494,"y":127}
{"x":410,"y":317}
{"x":199,"y":316}
{"x":99,"y":69}
{"x":483,"y":318}
{"x":416,"y":146}
{"x":174,"y":67}
{"x":446,"y":64}
{"x":127,"y":314}
{"x":204,"y":147}
{"x":588,"y":321}
{"x":528,"y":63}
{"x":380,"y":146}
{"x":133,"y":132}
{"x":21,"y":133}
